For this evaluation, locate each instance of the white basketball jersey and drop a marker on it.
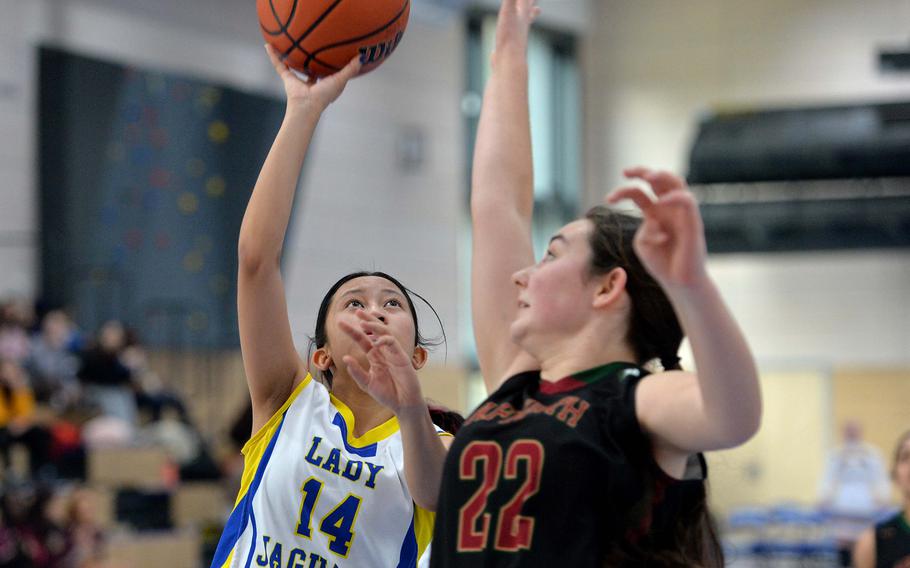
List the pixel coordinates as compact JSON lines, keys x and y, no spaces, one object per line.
{"x":314,"y":496}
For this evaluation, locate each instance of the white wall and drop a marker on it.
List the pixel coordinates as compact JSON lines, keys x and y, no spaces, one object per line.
{"x":359,"y":210}
{"x":18,"y":235}
{"x":652,"y":65}
{"x":821,"y":310}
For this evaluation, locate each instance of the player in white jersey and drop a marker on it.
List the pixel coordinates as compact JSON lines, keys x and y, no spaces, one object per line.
{"x":343,"y":469}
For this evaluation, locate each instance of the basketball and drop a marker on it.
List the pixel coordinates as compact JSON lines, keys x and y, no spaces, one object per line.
{"x":319,"y":37}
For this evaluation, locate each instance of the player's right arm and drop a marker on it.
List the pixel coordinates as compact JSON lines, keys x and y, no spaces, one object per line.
{"x":502,"y":197}
{"x":270,"y":360}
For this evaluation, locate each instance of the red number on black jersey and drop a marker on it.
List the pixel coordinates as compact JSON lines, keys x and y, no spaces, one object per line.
{"x":514,"y":531}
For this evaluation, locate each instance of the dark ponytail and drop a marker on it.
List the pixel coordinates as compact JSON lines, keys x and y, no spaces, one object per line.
{"x":654,"y":333}
{"x":447,"y":419}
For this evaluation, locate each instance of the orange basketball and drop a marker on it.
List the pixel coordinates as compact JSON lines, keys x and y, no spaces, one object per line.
{"x":319,"y":37}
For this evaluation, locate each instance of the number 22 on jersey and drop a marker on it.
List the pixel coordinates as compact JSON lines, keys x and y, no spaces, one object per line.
{"x":513,"y":531}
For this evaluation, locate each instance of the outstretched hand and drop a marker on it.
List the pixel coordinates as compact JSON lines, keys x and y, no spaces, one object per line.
{"x":671,"y":239}
{"x":320,"y":93}
{"x":514,"y":22}
{"x":391,"y":378}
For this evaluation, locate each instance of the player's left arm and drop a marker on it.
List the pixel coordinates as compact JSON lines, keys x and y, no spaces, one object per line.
{"x":425,"y":452}
{"x":720,"y":407}
{"x":392,"y":380}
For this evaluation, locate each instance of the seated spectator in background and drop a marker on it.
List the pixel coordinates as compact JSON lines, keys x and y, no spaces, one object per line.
{"x":15,"y":319}
{"x":887,"y":545}
{"x":854,"y":487}
{"x":174,"y":432}
{"x":83,"y":529}
{"x":107,"y":382}
{"x":51,"y":364}
{"x":35,"y":539}
{"x":17,"y":412}
{"x":152,"y":395}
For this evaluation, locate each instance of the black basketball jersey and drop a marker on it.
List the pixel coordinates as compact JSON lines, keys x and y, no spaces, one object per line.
{"x":892,"y":543}
{"x":554,"y":474}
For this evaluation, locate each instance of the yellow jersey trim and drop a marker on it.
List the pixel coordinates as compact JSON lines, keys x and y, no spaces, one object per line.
{"x":423,"y":528}
{"x":255,"y":448}
{"x":376,"y":434}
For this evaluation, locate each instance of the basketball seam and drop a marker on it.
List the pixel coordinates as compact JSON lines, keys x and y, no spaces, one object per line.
{"x":285,"y":55}
{"x":296,"y":42}
{"x":362,"y":37}
{"x":283,"y":27}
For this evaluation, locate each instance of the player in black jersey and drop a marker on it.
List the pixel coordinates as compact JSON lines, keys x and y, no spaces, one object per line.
{"x":580,"y":457}
{"x":887,"y":545}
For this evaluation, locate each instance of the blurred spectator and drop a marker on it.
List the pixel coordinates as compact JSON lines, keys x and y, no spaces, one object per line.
{"x":107,"y":382}
{"x":37,"y":541}
{"x":15,"y":320}
{"x":84,"y":530}
{"x":106,"y":431}
{"x":854,"y":488}
{"x":51,"y":364}
{"x":183,"y":443}
{"x":17,"y":426}
{"x":152,"y":396}
{"x":888,"y":543}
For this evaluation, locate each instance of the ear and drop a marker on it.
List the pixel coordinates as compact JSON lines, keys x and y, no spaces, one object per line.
{"x":419,"y":358}
{"x":322,"y":359}
{"x":610,"y":288}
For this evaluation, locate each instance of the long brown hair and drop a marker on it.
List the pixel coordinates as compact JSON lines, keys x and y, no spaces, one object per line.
{"x":654,"y":332}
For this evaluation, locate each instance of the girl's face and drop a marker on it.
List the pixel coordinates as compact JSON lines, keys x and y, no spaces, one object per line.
{"x":379,"y":299}
{"x":902,"y":469}
{"x":555,"y":295}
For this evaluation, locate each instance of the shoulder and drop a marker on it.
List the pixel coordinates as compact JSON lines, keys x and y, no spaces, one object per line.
{"x":306,"y":393}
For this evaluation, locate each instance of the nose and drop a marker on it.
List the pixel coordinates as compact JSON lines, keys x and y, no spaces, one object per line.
{"x":520,"y":278}
{"x":378,"y":314}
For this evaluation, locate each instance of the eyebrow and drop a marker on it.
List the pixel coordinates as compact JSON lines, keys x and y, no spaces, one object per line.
{"x":361,"y":291}
{"x":558,"y":238}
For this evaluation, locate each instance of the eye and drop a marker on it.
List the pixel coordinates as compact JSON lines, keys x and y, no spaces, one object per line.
{"x":549,"y":255}
{"x":356,"y":303}
{"x":393,"y":302}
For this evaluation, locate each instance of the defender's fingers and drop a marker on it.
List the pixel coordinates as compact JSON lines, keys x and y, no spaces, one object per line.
{"x":635,"y":194}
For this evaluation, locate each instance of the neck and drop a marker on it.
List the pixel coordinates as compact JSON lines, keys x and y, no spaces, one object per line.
{"x":368,"y":413}
{"x":585,"y":350}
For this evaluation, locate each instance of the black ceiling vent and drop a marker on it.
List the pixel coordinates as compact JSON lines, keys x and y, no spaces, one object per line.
{"x":858,"y":141}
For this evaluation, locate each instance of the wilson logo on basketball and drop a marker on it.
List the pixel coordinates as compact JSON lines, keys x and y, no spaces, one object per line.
{"x":378,"y":52}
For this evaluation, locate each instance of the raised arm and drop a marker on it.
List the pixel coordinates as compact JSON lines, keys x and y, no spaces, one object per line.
{"x":721,"y":406}
{"x":502,"y":197}
{"x":270,"y":360}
